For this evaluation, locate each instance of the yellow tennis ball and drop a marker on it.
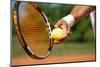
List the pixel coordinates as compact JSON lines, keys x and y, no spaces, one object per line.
{"x":57,"y":33}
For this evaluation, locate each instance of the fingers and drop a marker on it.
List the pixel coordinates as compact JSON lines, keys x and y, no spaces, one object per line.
{"x":66,"y":29}
{"x":58,"y":41}
{"x":58,"y":24}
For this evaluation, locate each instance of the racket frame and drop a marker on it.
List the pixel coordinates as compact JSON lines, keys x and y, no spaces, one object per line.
{"x":20,"y":36}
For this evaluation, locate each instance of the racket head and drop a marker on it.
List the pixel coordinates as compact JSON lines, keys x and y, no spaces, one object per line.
{"x":33,"y":29}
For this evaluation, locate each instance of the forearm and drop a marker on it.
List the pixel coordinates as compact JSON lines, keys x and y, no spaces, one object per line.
{"x":79,"y":12}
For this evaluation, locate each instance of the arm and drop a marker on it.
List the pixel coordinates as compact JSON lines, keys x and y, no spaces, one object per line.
{"x":77,"y":13}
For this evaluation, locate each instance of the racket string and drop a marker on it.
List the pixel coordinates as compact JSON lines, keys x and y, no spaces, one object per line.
{"x":33,"y":27}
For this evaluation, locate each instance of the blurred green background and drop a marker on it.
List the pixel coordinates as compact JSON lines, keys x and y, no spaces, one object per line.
{"x":81,"y":41}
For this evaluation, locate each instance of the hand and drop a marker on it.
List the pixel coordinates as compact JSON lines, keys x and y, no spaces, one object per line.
{"x":66,"y":29}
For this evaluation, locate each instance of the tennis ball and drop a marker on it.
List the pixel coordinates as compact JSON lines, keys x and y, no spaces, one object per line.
{"x":57,"y":33}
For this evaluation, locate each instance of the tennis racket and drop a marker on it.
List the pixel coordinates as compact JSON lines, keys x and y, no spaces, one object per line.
{"x":33,"y":29}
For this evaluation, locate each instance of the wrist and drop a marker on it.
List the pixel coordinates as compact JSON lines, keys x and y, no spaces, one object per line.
{"x":70,"y":20}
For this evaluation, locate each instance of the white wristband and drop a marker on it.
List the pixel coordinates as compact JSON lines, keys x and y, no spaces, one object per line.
{"x":69,"y":19}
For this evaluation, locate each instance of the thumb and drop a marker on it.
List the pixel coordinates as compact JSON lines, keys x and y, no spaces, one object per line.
{"x":58,"y":24}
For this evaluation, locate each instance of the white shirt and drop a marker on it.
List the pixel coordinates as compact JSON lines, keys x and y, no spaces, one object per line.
{"x":93,"y":20}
